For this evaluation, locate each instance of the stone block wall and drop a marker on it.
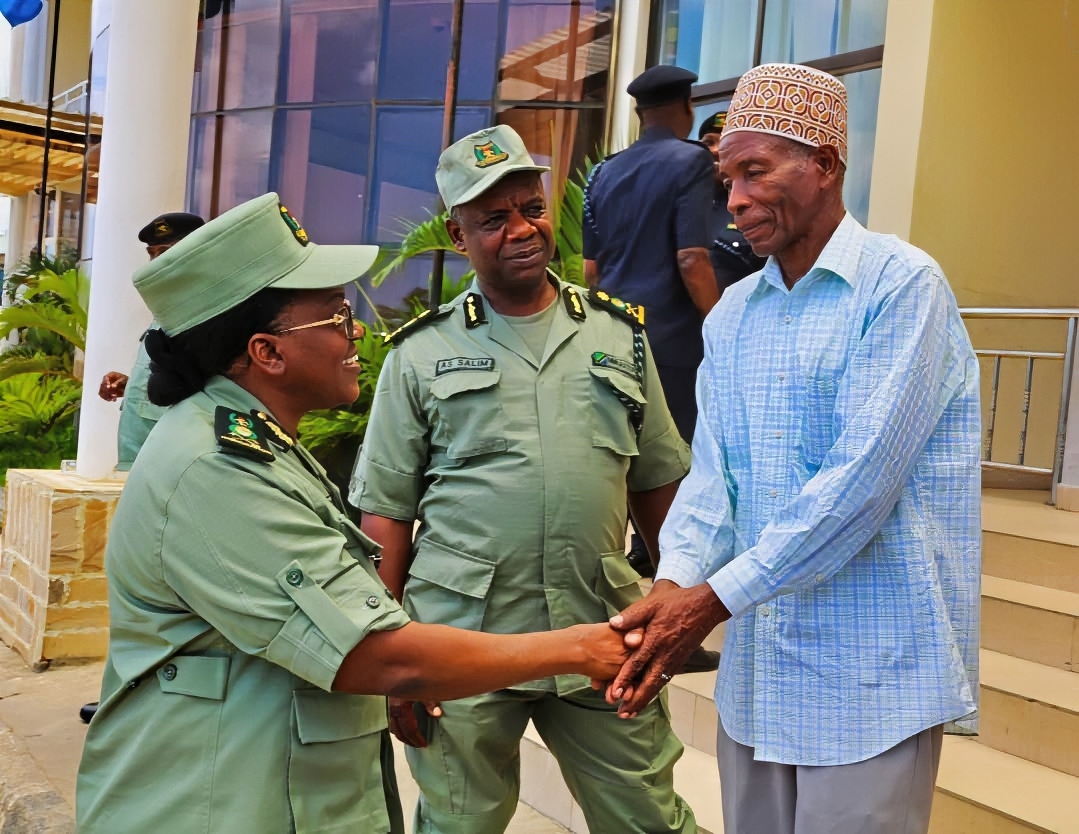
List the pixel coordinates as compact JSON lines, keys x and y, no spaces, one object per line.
{"x":53,"y":596}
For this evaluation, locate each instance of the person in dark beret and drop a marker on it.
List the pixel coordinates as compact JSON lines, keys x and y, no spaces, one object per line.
{"x":732,"y":257}
{"x":647,"y":235}
{"x":137,"y":414}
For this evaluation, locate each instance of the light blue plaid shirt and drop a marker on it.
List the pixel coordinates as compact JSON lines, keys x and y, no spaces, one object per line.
{"x":834,"y":503}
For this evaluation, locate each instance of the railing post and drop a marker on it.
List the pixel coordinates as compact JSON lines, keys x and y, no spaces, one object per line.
{"x":1062,"y":416}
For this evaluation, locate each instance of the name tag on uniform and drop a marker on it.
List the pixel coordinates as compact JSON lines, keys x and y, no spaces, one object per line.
{"x":464,"y":363}
{"x":605,"y":360}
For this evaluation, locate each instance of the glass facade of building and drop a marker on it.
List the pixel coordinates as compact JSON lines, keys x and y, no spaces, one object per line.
{"x":721,"y":39}
{"x":337,"y":104}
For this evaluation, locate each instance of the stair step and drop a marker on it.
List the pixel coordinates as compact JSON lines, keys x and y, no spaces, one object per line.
{"x":985,"y":791}
{"x":1031,"y":622}
{"x":696,"y":779}
{"x":1031,"y":711}
{"x":1025,"y":540}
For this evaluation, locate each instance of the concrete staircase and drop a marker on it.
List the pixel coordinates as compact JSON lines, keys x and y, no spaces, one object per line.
{"x":1022,"y":773}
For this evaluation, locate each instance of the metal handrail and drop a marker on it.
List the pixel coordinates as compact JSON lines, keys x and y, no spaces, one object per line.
{"x":1071,"y":315}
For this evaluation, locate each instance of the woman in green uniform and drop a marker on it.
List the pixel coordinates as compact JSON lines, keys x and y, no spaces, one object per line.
{"x":251,"y":639}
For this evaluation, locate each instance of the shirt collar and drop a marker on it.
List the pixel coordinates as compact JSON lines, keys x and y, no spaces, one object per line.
{"x":657,"y":132}
{"x":840,"y":256}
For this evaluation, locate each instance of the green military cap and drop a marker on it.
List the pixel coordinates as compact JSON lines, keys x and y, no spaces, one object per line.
{"x":256,"y":245}
{"x":474,"y":164}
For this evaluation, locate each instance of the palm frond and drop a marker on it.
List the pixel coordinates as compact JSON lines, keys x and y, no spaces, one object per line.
{"x":32,"y":404}
{"x":44,"y":316}
{"x":421,"y":238}
{"x":14,"y":363}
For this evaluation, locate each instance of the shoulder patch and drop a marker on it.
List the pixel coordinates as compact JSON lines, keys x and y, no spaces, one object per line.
{"x":238,"y":434}
{"x":633,"y":313}
{"x":410,"y":327}
{"x":272,"y":429}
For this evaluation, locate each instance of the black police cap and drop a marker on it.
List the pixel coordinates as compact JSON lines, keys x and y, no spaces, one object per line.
{"x":169,"y":228}
{"x":661,"y":85}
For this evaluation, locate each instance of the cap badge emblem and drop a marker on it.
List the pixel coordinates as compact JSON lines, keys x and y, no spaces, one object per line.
{"x":489,"y":154}
{"x":164,"y":229}
{"x":294,"y":226}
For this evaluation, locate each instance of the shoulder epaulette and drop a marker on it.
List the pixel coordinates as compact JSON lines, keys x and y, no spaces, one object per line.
{"x":633,"y":313}
{"x":410,"y":327}
{"x":238,"y":434}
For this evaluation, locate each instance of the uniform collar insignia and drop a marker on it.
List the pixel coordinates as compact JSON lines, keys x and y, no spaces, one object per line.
{"x":277,"y":435}
{"x":238,"y":434}
{"x":573,"y":303}
{"x":475,"y":315}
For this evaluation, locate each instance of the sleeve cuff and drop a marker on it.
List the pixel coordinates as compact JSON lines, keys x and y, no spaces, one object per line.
{"x":382,"y":491}
{"x":738,"y":585}
{"x":680,"y":569}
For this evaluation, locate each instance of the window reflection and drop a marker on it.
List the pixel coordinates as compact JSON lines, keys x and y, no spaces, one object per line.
{"x":557,"y":50}
{"x":416,"y":49}
{"x":409,"y":142}
{"x":804,"y":30}
{"x":558,"y":138}
{"x":236,"y":64}
{"x":230,"y":160}
{"x":332,"y":50}
{"x":863,"y":95}
{"x":320,"y":169}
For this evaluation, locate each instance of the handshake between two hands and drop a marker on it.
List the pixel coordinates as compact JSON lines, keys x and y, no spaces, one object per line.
{"x":658,"y":634}
{"x":632,"y":658}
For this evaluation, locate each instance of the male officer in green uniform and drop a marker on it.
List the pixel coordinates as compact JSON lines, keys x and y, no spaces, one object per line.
{"x":514,"y":423}
{"x":137,"y":414}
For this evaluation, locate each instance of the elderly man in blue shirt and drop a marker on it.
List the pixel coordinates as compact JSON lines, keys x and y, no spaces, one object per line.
{"x":832,"y":510}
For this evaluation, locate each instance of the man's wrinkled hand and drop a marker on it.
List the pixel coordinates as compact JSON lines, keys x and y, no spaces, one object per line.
{"x":676,"y":621}
{"x":403,"y":723}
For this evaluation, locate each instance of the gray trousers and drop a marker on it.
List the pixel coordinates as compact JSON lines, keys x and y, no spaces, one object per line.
{"x":888,"y":794}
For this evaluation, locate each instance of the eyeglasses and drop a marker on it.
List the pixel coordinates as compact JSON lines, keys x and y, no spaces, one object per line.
{"x":343,"y":317}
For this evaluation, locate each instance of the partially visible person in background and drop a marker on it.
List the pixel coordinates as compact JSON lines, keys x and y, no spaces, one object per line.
{"x":137,"y":414}
{"x":732,"y":257}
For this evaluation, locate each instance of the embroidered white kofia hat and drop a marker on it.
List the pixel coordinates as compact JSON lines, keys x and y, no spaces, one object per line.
{"x":794,"y":101}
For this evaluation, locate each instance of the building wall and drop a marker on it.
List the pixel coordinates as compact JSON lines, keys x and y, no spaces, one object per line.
{"x":73,"y":54}
{"x":996,"y":195}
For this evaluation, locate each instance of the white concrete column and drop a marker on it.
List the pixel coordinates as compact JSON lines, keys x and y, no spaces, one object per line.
{"x":899,"y":116}
{"x":143,"y":173}
{"x":631,"y":51}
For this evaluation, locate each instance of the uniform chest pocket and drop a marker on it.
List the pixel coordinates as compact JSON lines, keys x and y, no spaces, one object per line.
{"x":616,"y":400}
{"x":469,"y":419}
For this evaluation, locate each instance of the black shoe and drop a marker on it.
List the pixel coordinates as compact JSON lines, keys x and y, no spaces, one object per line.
{"x":87,"y":712}
{"x":640,"y":561}
{"x":701,"y":660}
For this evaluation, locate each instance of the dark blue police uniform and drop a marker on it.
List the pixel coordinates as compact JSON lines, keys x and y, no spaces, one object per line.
{"x":730,"y":253}
{"x":641,"y":206}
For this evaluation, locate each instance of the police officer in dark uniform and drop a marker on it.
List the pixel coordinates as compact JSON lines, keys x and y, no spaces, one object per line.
{"x":732,"y":258}
{"x":647,"y":234}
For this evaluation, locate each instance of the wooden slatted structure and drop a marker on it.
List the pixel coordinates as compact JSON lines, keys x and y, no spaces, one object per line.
{"x":22,"y":148}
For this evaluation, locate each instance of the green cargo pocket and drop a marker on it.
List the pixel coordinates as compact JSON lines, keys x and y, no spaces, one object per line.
{"x":617,"y":583}
{"x":615,"y":396}
{"x":447,"y":586}
{"x":198,"y":676}
{"x":469,"y":419}
{"x":335,"y":770}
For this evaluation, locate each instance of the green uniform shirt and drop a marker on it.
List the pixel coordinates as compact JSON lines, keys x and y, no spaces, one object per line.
{"x":137,"y":414}
{"x":516,"y":468}
{"x":237,"y":585}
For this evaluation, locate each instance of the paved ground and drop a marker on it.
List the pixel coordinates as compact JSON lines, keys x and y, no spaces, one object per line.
{"x":39,"y":716}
